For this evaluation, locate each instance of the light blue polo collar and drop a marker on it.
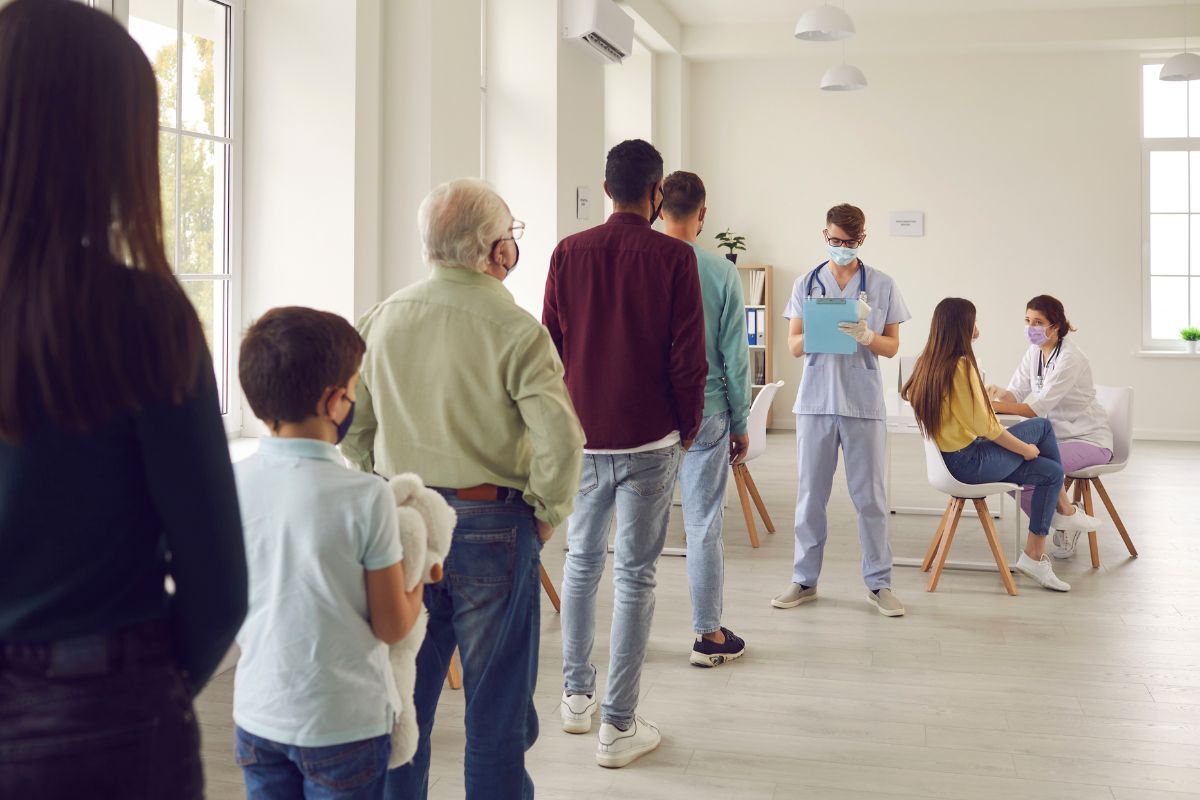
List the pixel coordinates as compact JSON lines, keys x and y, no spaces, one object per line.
{"x":300,"y":448}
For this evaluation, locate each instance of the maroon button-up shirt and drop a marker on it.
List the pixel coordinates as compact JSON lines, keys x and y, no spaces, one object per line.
{"x":624,"y":310}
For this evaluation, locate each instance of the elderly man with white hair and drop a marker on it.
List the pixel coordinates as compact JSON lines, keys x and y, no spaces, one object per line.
{"x":464,"y":388}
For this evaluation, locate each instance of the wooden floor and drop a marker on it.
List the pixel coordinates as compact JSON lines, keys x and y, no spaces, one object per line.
{"x":1092,"y":695}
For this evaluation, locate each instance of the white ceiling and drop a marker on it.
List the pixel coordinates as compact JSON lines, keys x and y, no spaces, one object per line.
{"x":733,"y":12}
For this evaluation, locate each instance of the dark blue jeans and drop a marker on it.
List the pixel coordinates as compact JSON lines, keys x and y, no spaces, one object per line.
{"x":104,"y":717}
{"x":489,"y":607}
{"x":275,"y":771}
{"x":983,"y":461}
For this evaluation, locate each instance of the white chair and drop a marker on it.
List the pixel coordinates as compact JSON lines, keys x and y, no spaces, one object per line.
{"x":756,"y":427}
{"x":941,"y":479}
{"x":1118,"y":403}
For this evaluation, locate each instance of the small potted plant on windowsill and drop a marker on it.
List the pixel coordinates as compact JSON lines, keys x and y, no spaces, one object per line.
{"x":732,"y":243}
{"x":1191,"y":336}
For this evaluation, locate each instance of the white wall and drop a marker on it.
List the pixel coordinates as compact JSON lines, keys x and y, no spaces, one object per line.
{"x":1028,"y":168}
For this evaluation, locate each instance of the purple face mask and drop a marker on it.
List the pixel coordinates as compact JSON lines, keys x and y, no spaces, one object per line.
{"x":1036,"y":335}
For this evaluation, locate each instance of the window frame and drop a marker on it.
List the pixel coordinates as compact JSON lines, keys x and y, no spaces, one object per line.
{"x":1152,"y":145}
{"x":232,"y":414}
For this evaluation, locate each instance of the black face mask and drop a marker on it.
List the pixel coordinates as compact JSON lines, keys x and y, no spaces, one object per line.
{"x":517,"y":247}
{"x":658,"y":208}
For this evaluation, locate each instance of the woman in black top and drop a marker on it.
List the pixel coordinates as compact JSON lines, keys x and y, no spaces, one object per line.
{"x":114,"y":470}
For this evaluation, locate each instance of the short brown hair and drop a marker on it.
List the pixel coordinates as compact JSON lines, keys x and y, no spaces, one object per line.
{"x":291,"y":356}
{"x":849,"y":218}
{"x":1052,"y":309}
{"x":683,"y":194}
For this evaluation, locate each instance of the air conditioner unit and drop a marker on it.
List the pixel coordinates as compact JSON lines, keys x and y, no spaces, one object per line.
{"x":600,"y":27}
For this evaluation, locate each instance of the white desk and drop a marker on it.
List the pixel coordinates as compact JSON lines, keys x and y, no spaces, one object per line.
{"x":902,"y":421}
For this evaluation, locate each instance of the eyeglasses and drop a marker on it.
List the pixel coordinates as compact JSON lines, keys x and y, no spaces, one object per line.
{"x":516,"y":231}
{"x":836,"y":242}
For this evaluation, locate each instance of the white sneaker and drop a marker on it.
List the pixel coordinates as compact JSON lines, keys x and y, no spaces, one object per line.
{"x":1079,"y":521}
{"x":1062,"y":544}
{"x":618,"y":748}
{"x":577,"y":711}
{"x":1042,"y":572}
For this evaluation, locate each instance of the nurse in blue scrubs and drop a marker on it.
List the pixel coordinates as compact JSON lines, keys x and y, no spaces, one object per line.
{"x":840,"y":405}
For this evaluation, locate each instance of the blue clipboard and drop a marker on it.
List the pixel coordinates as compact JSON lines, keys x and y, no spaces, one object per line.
{"x":821,"y":318}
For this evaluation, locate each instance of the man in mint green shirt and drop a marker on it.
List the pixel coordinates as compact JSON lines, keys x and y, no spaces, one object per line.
{"x":722,"y":438}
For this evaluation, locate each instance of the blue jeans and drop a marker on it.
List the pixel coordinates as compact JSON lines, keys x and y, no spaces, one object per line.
{"x":983,"y":461}
{"x":351,"y":771}
{"x":638,"y":487}
{"x":489,"y":607}
{"x":703,"y":476}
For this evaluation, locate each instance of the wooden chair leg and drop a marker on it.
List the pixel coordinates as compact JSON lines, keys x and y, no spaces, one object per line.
{"x":758,"y":501}
{"x":455,"y":674}
{"x":549,"y":587}
{"x":927,"y":562}
{"x":944,"y":546}
{"x":1093,"y":545}
{"x":1067,"y":485}
{"x":989,"y":530}
{"x":744,"y":496}
{"x":1116,"y":518}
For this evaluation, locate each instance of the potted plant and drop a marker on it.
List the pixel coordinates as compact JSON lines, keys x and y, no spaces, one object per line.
{"x":1191,"y":336}
{"x":732,"y":243}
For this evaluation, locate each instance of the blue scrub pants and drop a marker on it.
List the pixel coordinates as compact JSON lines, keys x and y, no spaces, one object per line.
{"x":818,"y":437}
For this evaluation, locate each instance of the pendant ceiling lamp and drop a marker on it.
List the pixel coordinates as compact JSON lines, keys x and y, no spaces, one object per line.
{"x":1185,"y":66}
{"x":824,"y":24}
{"x":843,"y":77}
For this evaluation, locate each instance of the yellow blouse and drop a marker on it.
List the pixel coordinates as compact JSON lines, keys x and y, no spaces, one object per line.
{"x":966,"y":414}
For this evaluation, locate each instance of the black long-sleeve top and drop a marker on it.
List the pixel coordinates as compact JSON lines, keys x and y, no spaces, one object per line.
{"x":91,"y":525}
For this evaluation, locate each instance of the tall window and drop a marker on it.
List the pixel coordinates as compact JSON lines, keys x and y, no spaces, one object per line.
{"x":192,"y":45}
{"x":1171,"y":233}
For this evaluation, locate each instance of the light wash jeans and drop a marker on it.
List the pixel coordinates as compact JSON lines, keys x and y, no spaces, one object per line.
{"x":489,"y":606}
{"x":703,"y":476}
{"x":638,"y":487}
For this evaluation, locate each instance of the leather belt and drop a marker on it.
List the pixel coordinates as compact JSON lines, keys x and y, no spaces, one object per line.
{"x":484,"y":492}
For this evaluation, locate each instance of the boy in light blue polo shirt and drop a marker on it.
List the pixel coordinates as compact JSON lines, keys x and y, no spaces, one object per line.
{"x":314,"y":696}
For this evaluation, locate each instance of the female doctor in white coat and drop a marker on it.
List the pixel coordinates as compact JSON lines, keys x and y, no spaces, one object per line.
{"x":1054,"y":381}
{"x":840,"y":404}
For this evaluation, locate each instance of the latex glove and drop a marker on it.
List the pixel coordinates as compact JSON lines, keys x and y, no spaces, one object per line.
{"x":863,"y":308}
{"x":994,"y":392}
{"x":858,"y":331}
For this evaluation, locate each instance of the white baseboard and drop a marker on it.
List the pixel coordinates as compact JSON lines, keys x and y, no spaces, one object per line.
{"x":1158,"y":435}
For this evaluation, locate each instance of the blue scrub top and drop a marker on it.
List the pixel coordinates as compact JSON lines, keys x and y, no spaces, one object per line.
{"x":847,"y":385}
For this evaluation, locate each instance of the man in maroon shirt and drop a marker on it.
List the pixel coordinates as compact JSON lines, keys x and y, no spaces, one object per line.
{"x":624,"y":310}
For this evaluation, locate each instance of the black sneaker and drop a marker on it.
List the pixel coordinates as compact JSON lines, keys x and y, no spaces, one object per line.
{"x":707,"y":653}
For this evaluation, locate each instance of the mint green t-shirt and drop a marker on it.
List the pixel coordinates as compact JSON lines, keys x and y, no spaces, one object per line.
{"x":725,"y":342}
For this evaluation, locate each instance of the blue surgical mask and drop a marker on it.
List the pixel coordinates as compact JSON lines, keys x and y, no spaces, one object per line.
{"x":344,"y":426}
{"x":842,"y":256}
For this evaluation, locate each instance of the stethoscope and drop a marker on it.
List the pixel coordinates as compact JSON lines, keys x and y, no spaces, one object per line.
{"x":1045,"y":364}
{"x":815,"y":277}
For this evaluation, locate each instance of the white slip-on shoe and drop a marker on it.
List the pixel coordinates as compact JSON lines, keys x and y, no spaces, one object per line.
{"x":1062,"y":544}
{"x":886,"y":603}
{"x":1079,"y":521}
{"x":795,"y":595}
{"x":1043,"y":572}
{"x":618,"y":748}
{"x":577,"y":711}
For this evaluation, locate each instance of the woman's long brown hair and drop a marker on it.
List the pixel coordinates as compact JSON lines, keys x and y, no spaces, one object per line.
{"x":928,"y":389}
{"x":92,"y":321}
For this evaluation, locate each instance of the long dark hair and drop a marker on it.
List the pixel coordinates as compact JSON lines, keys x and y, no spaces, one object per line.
{"x":928,"y":389}
{"x":92,"y":321}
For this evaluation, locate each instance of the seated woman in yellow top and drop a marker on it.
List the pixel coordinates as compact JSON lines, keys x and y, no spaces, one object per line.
{"x":947,"y":397}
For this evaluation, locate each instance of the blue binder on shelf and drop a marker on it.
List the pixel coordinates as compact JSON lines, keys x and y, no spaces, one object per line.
{"x":821,"y":318}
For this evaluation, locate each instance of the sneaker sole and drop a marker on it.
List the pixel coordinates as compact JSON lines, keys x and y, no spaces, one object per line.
{"x":580,"y":725}
{"x":618,"y":760}
{"x":899,"y":612}
{"x":1039,"y":583}
{"x":793,"y":604}
{"x":715,"y":659}
{"x":1063,"y":555}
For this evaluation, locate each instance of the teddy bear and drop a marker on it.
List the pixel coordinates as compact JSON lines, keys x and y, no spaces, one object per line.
{"x":426,"y":526}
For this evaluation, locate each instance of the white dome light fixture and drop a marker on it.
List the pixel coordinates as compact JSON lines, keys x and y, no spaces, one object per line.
{"x":1185,"y":66}
{"x":824,"y":24}
{"x":843,"y":78}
